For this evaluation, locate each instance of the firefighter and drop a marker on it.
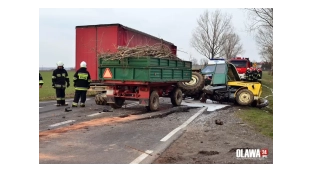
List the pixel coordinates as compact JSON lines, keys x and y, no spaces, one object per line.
{"x":255,"y":74}
{"x":40,"y":81}
{"x":82,"y":81}
{"x":59,"y":80}
{"x":259,"y":73}
{"x":247,"y":74}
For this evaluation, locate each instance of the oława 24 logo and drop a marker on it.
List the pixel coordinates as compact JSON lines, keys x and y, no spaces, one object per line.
{"x":244,"y":153}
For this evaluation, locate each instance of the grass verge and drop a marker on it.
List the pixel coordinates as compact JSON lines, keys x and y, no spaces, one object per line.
{"x":48,"y":93}
{"x":261,"y":119}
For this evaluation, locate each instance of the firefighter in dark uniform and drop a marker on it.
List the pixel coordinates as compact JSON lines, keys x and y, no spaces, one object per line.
{"x":248,"y":75}
{"x":82,"y":81}
{"x":40,"y":81}
{"x":59,"y":80}
{"x":259,"y":73}
{"x":255,"y":74}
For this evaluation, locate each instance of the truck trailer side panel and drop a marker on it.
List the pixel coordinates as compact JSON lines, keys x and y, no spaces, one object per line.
{"x":106,"y":42}
{"x":85,"y":44}
{"x":93,"y":39}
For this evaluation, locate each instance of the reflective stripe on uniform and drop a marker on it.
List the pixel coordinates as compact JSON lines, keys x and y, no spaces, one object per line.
{"x":62,"y":98}
{"x":89,"y":81}
{"x":40,"y":81}
{"x":83,"y":76}
{"x":75,"y":104}
{"x":74,"y":78}
{"x":81,"y":88}
{"x":53,"y":77}
{"x":81,"y":103}
{"x":58,"y":98}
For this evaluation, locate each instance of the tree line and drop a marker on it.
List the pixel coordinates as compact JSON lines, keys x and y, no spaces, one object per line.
{"x":215,"y":37}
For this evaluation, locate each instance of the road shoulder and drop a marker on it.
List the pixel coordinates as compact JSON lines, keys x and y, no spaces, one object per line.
{"x":205,"y":142}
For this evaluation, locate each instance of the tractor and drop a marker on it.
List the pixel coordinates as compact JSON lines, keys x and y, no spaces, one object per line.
{"x":220,"y":82}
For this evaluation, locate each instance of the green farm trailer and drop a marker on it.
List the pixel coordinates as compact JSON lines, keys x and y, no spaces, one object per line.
{"x":144,"y":79}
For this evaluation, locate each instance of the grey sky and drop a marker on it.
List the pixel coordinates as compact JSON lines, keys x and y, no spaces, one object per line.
{"x":57,"y":29}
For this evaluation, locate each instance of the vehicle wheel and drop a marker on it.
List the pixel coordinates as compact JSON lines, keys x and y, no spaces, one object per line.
{"x":118,"y":103}
{"x":176,"y":97}
{"x":194,"y":86}
{"x":244,"y":97}
{"x":100,"y":99}
{"x":153,"y":101}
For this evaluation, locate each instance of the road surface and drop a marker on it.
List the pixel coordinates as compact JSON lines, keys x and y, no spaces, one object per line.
{"x":127,"y":135}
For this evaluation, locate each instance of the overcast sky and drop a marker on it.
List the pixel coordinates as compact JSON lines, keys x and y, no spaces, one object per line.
{"x":57,"y":29}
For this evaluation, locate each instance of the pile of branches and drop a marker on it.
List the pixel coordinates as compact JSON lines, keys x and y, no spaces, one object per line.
{"x":157,"y":50}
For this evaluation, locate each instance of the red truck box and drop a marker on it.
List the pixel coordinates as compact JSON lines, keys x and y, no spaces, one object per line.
{"x":91,"y":39}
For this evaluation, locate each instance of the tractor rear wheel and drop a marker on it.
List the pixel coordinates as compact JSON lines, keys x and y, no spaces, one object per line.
{"x":118,"y":103}
{"x":100,"y":99}
{"x":244,"y":97}
{"x":176,"y":97}
{"x":153,"y":104}
{"x":194,"y":86}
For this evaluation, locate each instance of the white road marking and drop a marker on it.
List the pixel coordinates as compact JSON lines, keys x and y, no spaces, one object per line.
{"x":131,"y":104}
{"x":269,"y":88}
{"x":71,"y":101}
{"x":141,"y":157}
{"x":95,"y":114}
{"x":182,"y":126}
{"x":40,"y":107}
{"x":62,"y":123}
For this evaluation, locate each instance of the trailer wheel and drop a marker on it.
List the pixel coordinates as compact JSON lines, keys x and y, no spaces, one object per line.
{"x":118,"y":103}
{"x":176,"y":97}
{"x":194,"y":86}
{"x":153,"y":101}
{"x":244,"y":97}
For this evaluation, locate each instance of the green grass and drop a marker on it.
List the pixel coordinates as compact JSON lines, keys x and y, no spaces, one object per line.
{"x":48,"y":93}
{"x":261,"y":119}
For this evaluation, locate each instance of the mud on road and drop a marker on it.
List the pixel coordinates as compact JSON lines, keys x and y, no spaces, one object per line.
{"x":205,"y":142}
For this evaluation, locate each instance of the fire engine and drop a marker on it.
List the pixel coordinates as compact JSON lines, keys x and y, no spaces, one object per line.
{"x":241,"y":65}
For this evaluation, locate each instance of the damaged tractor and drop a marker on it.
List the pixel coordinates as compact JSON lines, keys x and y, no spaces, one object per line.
{"x":220,"y":82}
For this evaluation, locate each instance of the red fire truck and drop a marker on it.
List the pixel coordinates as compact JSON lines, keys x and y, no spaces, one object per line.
{"x":241,"y":65}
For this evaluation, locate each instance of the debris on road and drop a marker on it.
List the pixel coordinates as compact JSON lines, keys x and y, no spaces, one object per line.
{"x":218,"y":122}
{"x":68,"y":109}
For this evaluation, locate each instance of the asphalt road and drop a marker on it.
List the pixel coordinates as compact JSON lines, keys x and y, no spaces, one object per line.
{"x":127,"y":135}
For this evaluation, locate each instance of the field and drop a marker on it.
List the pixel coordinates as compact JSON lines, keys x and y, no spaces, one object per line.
{"x":48,"y":93}
{"x":261,"y":119}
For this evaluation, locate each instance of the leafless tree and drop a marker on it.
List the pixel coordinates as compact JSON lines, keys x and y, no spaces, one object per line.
{"x":232,"y":46}
{"x":210,"y":34}
{"x":203,"y":61}
{"x":261,"y":23}
{"x":193,"y":60}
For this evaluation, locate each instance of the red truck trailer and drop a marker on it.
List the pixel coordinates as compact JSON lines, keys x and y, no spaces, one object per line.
{"x":94,"y":39}
{"x":241,"y":65}
{"x":91,"y":39}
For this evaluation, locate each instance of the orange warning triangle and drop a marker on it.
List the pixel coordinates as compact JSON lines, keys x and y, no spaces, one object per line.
{"x":107,"y":73}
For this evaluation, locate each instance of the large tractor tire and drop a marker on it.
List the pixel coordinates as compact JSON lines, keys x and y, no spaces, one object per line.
{"x":100,"y":99}
{"x":194,"y":86}
{"x":244,"y":97}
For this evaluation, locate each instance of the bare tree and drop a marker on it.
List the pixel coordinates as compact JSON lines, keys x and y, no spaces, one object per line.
{"x":261,"y":23}
{"x":210,"y":34}
{"x":193,"y":60}
{"x":203,"y":61}
{"x":232,"y":46}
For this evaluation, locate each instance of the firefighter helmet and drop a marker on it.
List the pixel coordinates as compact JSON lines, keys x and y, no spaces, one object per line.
{"x":83,"y":64}
{"x":59,"y":63}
